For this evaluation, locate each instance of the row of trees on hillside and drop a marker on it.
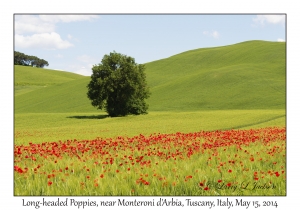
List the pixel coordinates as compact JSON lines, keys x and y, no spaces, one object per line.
{"x":29,"y":60}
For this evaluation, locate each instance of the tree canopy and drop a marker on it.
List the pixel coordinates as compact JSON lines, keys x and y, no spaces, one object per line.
{"x":119,"y":86}
{"x":29,"y":60}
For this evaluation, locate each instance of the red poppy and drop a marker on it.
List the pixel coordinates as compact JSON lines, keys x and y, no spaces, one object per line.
{"x":206,"y":188}
{"x":49,"y":183}
{"x":219,"y":180}
{"x":229,"y":184}
{"x":229,"y":171}
{"x":101,"y":176}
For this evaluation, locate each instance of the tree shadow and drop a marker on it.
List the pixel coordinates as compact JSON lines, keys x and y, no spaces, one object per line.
{"x":89,"y":117}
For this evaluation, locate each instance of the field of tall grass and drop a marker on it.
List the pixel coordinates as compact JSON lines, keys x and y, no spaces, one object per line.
{"x":243,"y":162}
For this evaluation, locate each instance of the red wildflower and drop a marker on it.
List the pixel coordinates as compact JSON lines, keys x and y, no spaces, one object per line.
{"x":18,"y":169}
{"x":49,"y":183}
{"x":229,"y":171}
{"x":219,"y":180}
{"x":206,"y":188}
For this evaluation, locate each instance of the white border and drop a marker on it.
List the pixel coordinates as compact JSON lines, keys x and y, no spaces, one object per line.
{"x":157,"y":6}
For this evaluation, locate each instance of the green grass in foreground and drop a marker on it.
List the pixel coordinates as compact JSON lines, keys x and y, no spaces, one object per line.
{"x":244,"y":162}
{"x":41,"y":127}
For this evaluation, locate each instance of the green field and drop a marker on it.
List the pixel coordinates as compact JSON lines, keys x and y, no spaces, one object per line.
{"x":236,"y":86}
{"x":241,"y":86}
{"x":40,"y":127}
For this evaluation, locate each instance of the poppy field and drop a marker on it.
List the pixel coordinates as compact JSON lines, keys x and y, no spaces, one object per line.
{"x":221,"y":162}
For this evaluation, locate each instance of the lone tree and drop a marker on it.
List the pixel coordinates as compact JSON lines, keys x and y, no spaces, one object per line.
{"x":118,"y":85}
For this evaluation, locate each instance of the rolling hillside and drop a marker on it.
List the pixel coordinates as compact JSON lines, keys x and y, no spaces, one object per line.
{"x":248,"y":75}
{"x":27,"y":78}
{"x":26,"y":75}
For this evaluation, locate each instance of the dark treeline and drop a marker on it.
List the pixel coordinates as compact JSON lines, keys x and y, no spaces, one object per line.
{"x":29,"y":60}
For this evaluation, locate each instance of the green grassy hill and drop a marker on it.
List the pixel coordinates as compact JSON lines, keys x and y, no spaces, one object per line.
{"x":248,"y":75}
{"x":27,"y":78}
{"x":65,"y":97}
{"x":26,"y":75}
